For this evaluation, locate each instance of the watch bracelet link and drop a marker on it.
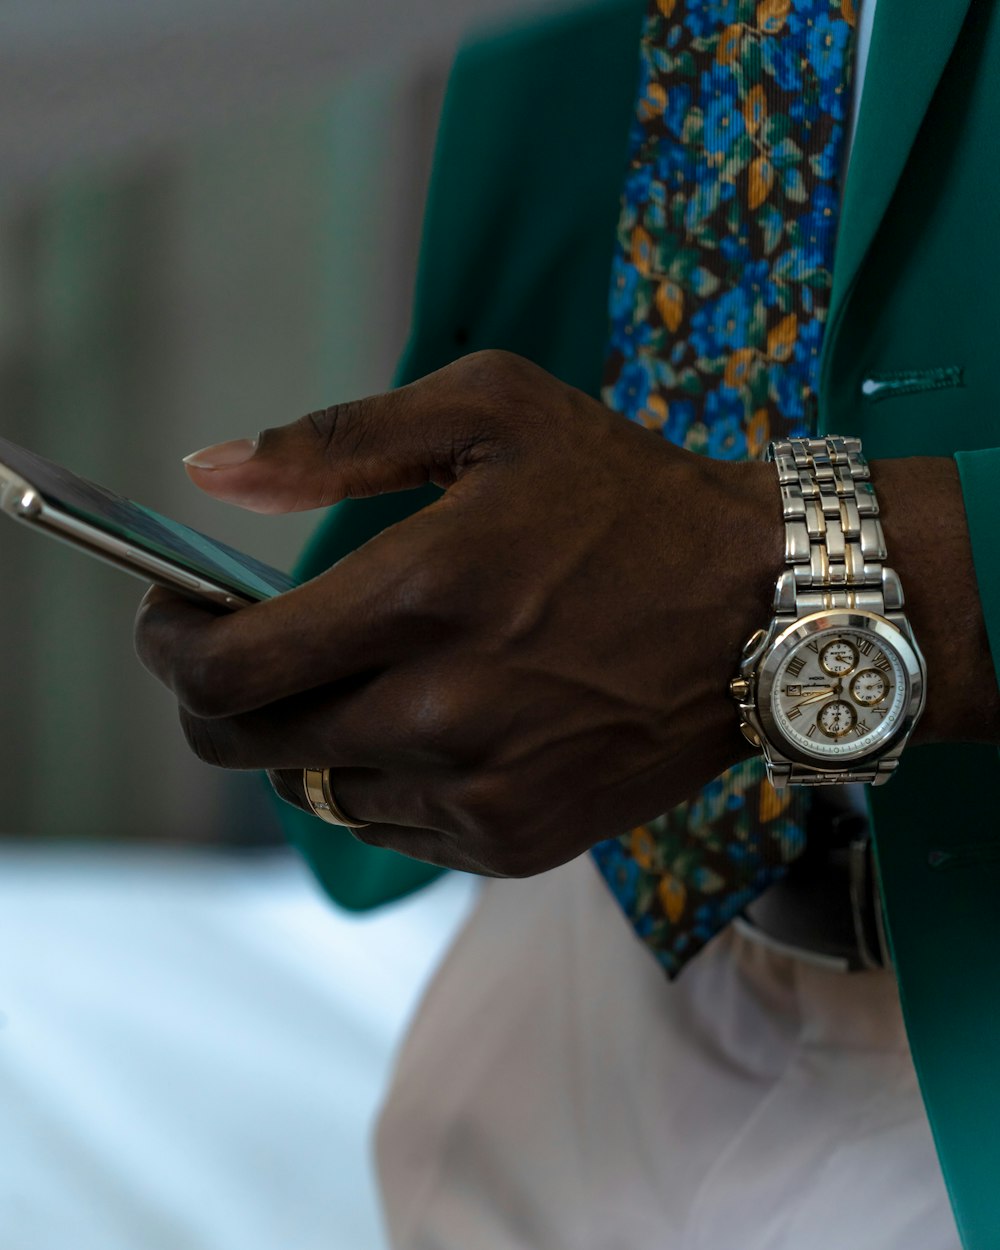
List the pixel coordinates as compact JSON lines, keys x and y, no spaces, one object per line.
{"x":834,"y":545}
{"x":835,"y":555}
{"x":801,"y":775}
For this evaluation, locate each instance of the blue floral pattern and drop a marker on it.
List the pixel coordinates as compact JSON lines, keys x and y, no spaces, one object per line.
{"x":719,"y":292}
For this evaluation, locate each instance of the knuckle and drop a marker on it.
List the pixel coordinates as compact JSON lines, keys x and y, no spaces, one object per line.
{"x":285,"y":791}
{"x":343,"y":428}
{"x":490,"y":378}
{"x":142,"y":639}
{"x":370,"y":835}
{"x":492,"y":819}
{"x":521,"y":852}
{"x":155,"y":635}
{"x":439,"y":724}
{"x":510,"y":388}
{"x":203,"y":739}
{"x":321,"y":425}
{"x":201,"y":686}
{"x":433,"y":724}
{"x":491,"y":367}
{"x":204,"y":667}
{"x":484,"y":804}
{"x":519,"y":858}
{"x":442,"y":589}
{"x":424,"y":595}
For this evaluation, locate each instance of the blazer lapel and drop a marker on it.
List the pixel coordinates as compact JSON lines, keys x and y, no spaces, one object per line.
{"x":911,"y":42}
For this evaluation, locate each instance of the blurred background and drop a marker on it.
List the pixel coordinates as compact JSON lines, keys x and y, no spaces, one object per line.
{"x":209,"y":223}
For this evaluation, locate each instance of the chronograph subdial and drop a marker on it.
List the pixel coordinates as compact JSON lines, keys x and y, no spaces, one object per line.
{"x":869,"y":687}
{"x":836,"y":719}
{"x":838,"y":658}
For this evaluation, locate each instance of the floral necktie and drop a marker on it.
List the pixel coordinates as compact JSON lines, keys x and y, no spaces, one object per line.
{"x":720,"y":287}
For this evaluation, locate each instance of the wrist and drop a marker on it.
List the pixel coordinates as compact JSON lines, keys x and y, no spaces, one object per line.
{"x":754,"y":543}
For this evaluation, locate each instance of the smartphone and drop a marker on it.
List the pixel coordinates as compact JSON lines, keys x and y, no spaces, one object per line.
{"x":129,"y":536}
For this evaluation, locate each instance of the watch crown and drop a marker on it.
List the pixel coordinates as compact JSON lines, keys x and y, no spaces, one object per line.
{"x":751,"y":734}
{"x":739,"y":687}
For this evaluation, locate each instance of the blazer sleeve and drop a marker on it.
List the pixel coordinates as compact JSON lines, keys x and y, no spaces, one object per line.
{"x":979,"y":472}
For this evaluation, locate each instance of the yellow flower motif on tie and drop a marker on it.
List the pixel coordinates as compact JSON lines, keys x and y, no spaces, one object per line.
{"x":673,"y":895}
{"x":771,"y":15}
{"x":654,"y":102}
{"x":758,"y":433}
{"x":666,"y":7}
{"x":773,"y":802}
{"x":781,"y":338}
{"x":642,"y":250}
{"x":643,"y":847}
{"x":754,"y":109}
{"x":670,"y":304}
{"x":729,"y":45}
{"x":737,"y":367}
{"x":654,"y":415}
{"x":761,"y":181}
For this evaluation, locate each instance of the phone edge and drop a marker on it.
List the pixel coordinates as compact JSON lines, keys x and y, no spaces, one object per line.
{"x":22,"y":502}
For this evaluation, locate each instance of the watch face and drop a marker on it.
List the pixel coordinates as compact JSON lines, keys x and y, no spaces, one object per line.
{"x":839,"y":690}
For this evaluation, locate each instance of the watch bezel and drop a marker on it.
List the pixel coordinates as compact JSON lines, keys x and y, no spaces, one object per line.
{"x":888,"y":633}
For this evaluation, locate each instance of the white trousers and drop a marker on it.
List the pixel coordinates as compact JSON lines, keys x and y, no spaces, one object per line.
{"x":556,"y":1092}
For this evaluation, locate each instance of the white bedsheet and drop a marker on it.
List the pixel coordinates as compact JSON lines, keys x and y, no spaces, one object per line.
{"x":192,"y":1047}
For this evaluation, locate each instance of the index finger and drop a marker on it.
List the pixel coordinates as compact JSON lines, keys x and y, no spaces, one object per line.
{"x":355,"y":617}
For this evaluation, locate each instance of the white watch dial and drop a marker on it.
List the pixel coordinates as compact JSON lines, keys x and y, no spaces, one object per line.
{"x":839,"y":693}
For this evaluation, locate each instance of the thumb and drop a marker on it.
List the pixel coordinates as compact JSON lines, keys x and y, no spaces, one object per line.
{"x":383,"y":443}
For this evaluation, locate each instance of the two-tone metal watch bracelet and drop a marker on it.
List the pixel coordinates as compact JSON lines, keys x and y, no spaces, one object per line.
{"x":834,"y":545}
{"x":834,"y":549}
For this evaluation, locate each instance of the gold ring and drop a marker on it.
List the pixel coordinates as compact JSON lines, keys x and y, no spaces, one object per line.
{"x":320,"y":798}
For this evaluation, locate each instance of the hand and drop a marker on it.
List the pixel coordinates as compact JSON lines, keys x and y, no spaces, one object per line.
{"x":537,"y":661}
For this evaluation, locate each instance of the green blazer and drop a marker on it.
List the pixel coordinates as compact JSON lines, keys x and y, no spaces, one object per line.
{"x":516,"y":254}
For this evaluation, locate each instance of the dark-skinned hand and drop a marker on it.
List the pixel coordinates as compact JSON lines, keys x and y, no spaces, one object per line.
{"x":537,"y":661}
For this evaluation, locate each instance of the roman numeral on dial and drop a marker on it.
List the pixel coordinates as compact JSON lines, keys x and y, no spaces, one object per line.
{"x":796,"y":665}
{"x":865,"y":646}
{"x":882,"y":662}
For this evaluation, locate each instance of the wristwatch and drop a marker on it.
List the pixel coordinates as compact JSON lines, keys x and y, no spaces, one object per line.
{"x":832,"y":688}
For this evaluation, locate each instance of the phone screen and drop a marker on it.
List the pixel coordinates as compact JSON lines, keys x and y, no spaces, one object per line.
{"x":142,"y":527}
